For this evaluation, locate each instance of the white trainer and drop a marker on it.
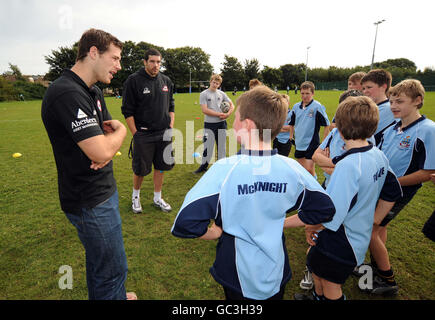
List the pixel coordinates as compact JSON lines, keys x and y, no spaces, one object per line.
{"x":307,"y":281}
{"x":135,"y":205}
{"x":163,"y":205}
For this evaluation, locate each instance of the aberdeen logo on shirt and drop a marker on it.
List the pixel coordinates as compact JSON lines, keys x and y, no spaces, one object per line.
{"x":99,"y":105}
{"x":165,"y":89}
{"x":146,"y":90}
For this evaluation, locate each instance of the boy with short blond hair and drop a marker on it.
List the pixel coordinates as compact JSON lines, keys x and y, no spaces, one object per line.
{"x":410,"y":147}
{"x":361,"y":177}
{"x":215,"y":124}
{"x":376,"y":85}
{"x":306,"y":119}
{"x":247,"y":195}
{"x":354,"y":81}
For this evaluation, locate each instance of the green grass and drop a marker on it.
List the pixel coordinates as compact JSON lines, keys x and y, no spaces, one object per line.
{"x":36,"y":238}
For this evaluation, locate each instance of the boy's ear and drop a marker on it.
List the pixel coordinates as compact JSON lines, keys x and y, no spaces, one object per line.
{"x":249,"y":124}
{"x":418,"y":101}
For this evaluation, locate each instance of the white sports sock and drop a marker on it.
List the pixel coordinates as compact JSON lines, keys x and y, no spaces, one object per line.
{"x":157,"y":196}
{"x":136,"y":193}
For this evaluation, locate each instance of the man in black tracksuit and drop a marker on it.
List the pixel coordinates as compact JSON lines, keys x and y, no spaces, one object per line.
{"x":148,"y":108}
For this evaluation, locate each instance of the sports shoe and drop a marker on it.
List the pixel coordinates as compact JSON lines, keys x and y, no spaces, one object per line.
{"x":163,"y":205}
{"x":358,"y":272}
{"x":307,"y":281}
{"x":135,"y":205}
{"x":201,"y":169}
{"x":304,"y":296}
{"x":382,"y":287}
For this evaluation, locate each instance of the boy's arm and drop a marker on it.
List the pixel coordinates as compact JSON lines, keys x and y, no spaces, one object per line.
{"x":213,"y":233}
{"x":321,"y":158}
{"x":314,"y":207}
{"x":326,"y":132}
{"x":200,"y":206}
{"x":416,"y":177}
{"x":205,"y":110}
{"x":391,"y":191}
{"x":382,"y":209}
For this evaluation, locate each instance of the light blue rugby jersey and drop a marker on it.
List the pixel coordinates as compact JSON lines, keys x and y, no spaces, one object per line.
{"x":307,"y":122}
{"x":386,"y":119}
{"x":284,"y":137}
{"x":361,"y":176}
{"x":410,"y":149}
{"x":336,"y":147}
{"x":249,"y":195}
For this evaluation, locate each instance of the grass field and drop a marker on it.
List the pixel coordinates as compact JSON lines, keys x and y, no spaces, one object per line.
{"x":36,"y":239}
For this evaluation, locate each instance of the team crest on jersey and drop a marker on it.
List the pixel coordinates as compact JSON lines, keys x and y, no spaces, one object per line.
{"x":165,"y":89}
{"x":405,"y":143}
{"x":311,"y":113}
{"x":99,"y":105}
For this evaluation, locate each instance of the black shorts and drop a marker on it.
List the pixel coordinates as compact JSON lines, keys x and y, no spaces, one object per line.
{"x":327,"y":268}
{"x":148,"y":151}
{"x":283,"y":148}
{"x":398,"y":206}
{"x":307,"y":154}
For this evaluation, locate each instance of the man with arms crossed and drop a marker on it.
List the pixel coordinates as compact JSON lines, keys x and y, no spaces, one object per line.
{"x":84,"y":139}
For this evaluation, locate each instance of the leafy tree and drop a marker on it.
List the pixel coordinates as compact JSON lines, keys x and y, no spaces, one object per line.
{"x":59,"y":60}
{"x":251,"y":70}
{"x":271,"y":76}
{"x":292,"y":74}
{"x":7,"y":90}
{"x":232,"y":73}
{"x":185,"y":63}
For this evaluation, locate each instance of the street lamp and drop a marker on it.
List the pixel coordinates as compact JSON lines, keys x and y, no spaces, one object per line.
{"x":190,"y":80}
{"x":376,"y":35}
{"x":306,"y":65}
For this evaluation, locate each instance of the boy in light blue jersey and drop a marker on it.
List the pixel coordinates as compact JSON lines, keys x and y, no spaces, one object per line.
{"x":307,"y":118}
{"x":361,"y":177}
{"x":282,"y":141}
{"x":333,"y":145}
{"x":376,"y":85}
{"x":247,"y":195}
{"x":410,"y":147}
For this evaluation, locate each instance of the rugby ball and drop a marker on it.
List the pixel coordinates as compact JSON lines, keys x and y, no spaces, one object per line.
{"x":225,"y":106}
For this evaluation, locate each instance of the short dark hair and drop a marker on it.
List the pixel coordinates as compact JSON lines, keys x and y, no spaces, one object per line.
{"x":152,"y":52}
{"x":357,"y":118}
{"x":308,"y":85}
{"x":349,"y":93}
{"x":380,"y":77}
{"x":96,"y":38}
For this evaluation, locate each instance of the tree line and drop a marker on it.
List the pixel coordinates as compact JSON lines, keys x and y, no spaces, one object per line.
{"x":186,"y":64}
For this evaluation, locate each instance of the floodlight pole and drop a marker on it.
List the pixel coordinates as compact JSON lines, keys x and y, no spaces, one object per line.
{"x":376,"y":35}
{"x":190,"y":80}
{"x":306,"y":66}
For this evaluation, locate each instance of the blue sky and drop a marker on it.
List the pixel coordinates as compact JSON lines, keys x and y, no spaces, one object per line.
{"x":339,"y":33}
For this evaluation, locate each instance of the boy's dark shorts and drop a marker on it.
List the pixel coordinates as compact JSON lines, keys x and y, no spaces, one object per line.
{"x":398,"y":206}
{"x":307,"y":154}
{"x":327,"y":268}
{"x":148,"y":151}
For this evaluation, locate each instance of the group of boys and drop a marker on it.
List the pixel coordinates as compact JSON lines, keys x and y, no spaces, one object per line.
{"x":376,"y":156}
{"x":249,"y":194}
